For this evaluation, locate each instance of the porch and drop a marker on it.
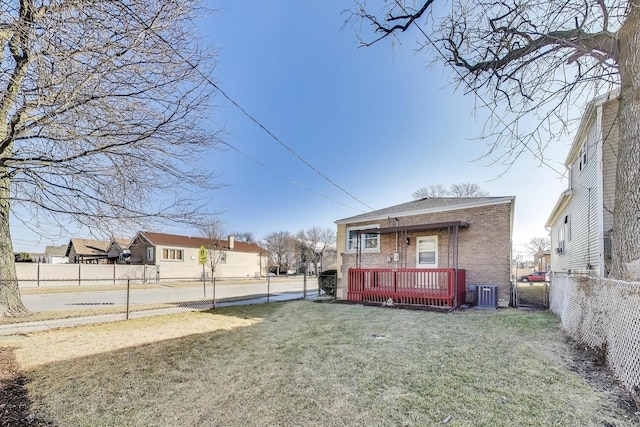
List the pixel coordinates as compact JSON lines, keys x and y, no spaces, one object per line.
{"x":442,"y":287}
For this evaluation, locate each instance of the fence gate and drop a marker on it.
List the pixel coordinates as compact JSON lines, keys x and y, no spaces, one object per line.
{"x":531,"y":294}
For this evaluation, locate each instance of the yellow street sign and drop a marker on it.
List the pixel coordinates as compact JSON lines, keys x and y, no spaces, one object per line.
{"x":202,"y":255}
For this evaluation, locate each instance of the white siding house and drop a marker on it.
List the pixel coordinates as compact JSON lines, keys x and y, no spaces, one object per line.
{"x":581,"y":221}
{"x":177,"y":256}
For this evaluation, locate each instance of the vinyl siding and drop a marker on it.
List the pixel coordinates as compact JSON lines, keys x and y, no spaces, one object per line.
{"x":581,"y":232}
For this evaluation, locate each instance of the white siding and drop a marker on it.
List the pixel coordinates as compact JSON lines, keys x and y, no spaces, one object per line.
{"x":239,"y":264}
{"x":581,"y":231}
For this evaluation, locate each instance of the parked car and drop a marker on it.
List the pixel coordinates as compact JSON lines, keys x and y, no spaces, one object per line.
{"x":536,"y":276}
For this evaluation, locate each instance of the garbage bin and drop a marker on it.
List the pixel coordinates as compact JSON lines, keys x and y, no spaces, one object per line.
{"x":327,"y":281}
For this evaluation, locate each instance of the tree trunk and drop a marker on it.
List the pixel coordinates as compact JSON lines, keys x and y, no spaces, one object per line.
{"x":626,"y":215}
{"x":10,"y":301}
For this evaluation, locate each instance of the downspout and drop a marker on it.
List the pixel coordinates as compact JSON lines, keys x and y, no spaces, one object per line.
{"x":455,"y":270}
{"x":396,"y":255}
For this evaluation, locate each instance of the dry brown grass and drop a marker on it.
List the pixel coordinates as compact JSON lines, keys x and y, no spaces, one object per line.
{"x":301,"y":363}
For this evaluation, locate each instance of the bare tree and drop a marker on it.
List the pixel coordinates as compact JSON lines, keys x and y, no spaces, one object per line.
{"x":103,"y":113}
{"x":432,"y":190}
{"x":535,"y":59}
{"x":216,"y":254}
{"x":539,"y":244}
{"x":244,"y":237}
{"x":315,"y":242}
{"x":463,"y":189}
{"x":468,"y":189}
{"x":280,"y":247}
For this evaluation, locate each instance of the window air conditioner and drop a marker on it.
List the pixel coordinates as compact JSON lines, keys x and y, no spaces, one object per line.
{"x":559,"y":251}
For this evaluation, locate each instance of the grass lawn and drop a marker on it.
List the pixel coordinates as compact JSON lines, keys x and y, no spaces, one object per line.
{"x":301,"y":363}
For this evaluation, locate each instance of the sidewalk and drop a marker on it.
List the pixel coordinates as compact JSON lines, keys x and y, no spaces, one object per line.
{"x":44,"y":325}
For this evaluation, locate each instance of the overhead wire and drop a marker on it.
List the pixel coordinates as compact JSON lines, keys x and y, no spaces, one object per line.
{"x":245,"y":112}
{"x":292,"y":181}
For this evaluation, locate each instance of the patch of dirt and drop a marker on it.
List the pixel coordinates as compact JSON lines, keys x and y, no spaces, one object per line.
{"x":591,"y":365}
{"x":15,"y":405}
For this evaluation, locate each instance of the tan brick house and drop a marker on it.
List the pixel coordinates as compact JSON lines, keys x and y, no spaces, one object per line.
{"x":440,"y":244}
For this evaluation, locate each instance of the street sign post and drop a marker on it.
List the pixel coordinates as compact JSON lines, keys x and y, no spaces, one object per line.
{"x":202,"y":260}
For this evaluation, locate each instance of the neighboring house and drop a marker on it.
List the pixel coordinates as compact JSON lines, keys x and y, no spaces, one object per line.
{"x":86,"y":251}
{"x":56,"y":254}
{"x":543,"y":260}
{"x":177,"y":256}
{"x":582,"y":219}
{"x":428,"y":245}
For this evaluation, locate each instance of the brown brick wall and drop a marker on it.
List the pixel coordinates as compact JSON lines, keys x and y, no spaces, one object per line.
{"x":484,"y":247}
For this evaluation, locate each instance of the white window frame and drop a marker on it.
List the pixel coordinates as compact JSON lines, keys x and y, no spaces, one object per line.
{"x":363,"y":239}
{"x":435,"y":241}
{"x":150,"y":253}
{"x":561,"y":238}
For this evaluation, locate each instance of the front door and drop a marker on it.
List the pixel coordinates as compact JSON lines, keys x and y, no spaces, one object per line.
{"x":427,"y":252}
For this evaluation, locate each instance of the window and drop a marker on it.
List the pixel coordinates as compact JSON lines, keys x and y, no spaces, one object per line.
{"x":427,"y":252}
{"x":149,"y":254}
{"x":560,"y":248}
{"x":172,"y":254}
{"x":223,"y":257}
{"x":582,"y":157}
{"x":369,"y":242}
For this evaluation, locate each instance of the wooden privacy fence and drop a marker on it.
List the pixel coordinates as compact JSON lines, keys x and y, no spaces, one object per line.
{"x":432,"y":287}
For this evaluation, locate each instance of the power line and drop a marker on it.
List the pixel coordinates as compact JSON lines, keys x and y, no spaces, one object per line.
{"x":249,"y":116}
{"x":286,"y":177}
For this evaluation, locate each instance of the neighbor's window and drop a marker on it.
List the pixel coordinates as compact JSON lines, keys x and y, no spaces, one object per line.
{"x":582,"y":160}
{"x":172,"y":254}
{"x":369,"y":242}
{"x":149,"y":254}
{"x":561,"y":239}
{"x":223,"y":257}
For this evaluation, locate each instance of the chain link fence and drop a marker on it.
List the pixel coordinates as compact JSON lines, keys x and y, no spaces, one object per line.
{"x":74,"y":297}
{"x":605,"y":315}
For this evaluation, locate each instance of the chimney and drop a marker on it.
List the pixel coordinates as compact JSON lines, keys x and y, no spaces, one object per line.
{"x":231,"y":242}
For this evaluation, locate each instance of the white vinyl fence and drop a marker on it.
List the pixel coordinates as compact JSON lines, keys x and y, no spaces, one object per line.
{"x":604,"y":314}
{"x":36,"y":275}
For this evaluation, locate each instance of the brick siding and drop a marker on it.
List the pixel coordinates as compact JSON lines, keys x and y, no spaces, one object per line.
{"x":484,"y":248}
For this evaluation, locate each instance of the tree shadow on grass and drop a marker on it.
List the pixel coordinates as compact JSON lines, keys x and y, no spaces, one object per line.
{"x":15,"y":404}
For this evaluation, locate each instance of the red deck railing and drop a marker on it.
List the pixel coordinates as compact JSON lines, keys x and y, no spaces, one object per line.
{"x":433,"y":287}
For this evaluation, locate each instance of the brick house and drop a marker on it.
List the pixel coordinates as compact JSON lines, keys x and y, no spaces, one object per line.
{"x":442,"y":243}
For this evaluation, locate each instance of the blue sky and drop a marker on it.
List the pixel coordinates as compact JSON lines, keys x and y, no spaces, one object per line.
{"x":379,"y":122}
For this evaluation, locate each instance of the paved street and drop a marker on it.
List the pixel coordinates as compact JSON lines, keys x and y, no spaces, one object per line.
{"x":163,"y":294}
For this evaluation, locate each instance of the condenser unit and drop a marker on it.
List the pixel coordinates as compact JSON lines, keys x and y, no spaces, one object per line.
{"x":487,"y":297}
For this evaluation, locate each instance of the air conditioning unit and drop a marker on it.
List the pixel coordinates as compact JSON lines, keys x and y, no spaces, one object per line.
{"x":487,"y":297}
{"x":559,"y":251}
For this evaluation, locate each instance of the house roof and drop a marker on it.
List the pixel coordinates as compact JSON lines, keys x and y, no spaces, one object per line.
{"x":562,"y":203}
{"x":427,"y":205}
{"x":59,"y":250}
{"x":414,"y":227}
{"x":195,"y":242}
{"x":88,"y":247}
